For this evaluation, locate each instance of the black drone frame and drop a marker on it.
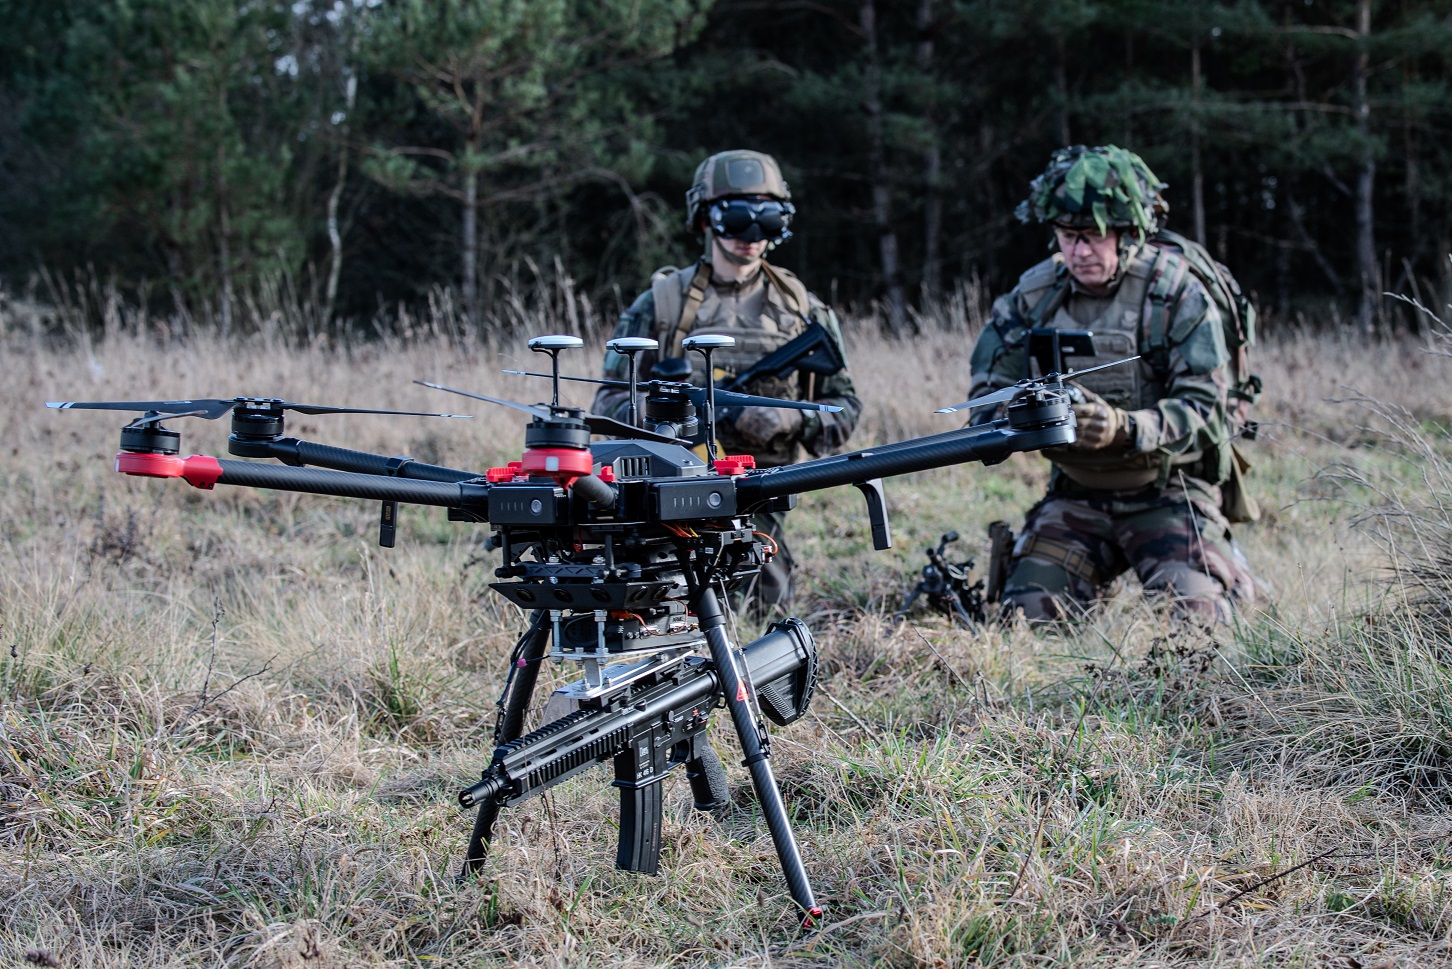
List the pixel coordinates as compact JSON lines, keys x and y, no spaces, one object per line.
{"x":621,"y":552}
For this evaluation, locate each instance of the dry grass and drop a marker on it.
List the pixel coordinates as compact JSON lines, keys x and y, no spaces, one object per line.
{"x":232,"y":727}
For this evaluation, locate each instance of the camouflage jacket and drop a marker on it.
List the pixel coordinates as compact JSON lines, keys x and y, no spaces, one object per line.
{"x":1176,"y":393}
{"x":760,"y":318}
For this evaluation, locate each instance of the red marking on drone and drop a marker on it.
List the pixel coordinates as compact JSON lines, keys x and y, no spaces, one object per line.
{"x":741,"y":692}
{"x":734,"y":464}
{"x":811,"y":918}
{"x":199,"y":470}
{"x":606,"y":473}
{"x":509,"y":472}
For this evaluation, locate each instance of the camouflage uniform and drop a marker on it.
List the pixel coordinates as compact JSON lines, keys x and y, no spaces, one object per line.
{"x":761,"y":313}
{"x":1153,"y":503}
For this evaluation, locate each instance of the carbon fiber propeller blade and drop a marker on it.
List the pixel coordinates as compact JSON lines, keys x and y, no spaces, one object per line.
{"x":697,"y":395}
{"x":212,"y":408}
{"x":596,"y":423}
{"x":1009,"y":393}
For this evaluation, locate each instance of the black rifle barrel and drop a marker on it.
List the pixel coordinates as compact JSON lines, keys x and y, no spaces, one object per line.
{"x":346,"y":484}
{"x":987,"y":442}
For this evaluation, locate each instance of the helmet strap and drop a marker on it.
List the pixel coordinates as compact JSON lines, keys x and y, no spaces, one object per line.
{"x":713,"y":244}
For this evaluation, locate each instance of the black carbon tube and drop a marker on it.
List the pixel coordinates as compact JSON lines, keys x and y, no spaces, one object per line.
{"x":290,"y":450}
{"x":595,"y":491}
{"x":349,"y":485}
{"x":768,"y":794}
{"x":987,"y":442}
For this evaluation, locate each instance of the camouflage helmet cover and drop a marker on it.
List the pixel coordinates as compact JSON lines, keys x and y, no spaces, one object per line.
{"x":728,"y":173}
{"x":1101,"y":187}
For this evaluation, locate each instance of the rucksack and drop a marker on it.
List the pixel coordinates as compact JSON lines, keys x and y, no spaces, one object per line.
{"x":1237,"y":318}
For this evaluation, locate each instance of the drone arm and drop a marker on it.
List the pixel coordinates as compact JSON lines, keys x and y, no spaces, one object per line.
{"x":988,"y":443}
{"x":205,"y":472}
{"x":347,"y":484}
{"x":595,"y":491}
{"x":290,"y":450}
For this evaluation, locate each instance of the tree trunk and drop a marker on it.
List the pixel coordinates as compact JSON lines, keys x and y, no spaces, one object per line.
{"x":224,"y":244}
{"x":1197,"y":176}
{"x":1368,"y":271}
{"x":335,"y":236}
{"x":932,"y":169}
{"x":877,"y":173}
{"x":470,"y":247}
{"x":1061,"y":82}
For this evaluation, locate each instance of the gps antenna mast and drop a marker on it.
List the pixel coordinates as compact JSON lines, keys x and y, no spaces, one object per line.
{"x":553,"y":345}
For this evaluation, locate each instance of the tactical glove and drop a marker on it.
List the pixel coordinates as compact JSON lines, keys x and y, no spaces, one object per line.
{"x":759,"y":426}
{"x":1100,"y":425}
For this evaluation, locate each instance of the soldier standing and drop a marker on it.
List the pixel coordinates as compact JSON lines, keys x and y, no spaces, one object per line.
{"x":1142,"y":486}
{"x":742,"y":206}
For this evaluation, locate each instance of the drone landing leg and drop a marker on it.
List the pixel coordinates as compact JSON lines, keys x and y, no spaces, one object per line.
{"x":708,"y":611}
{"x":959,"y":612}
{"x":901,"y":614}
{"x":531,"y":650}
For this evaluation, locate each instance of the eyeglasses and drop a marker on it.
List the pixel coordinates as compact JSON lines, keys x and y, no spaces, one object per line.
{"x":1069,"y":238}
{"x":752,"y":220}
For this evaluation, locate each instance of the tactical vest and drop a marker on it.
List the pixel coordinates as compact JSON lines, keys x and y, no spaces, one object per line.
{"x":1135,"y":322}
{"x":687,"y":305}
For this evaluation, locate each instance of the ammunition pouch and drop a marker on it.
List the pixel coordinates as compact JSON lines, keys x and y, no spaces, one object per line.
{"x":1236,"y":502}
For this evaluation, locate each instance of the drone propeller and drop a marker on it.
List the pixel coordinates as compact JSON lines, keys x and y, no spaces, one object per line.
{"x":214,"y":407}
{"x":155,"y":417}
{"x":697,"y":395}
{"x":595,"y":422}
{"x":1009,"y":393}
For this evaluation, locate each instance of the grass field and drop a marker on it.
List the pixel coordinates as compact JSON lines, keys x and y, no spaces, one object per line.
{"x":233,"y":727}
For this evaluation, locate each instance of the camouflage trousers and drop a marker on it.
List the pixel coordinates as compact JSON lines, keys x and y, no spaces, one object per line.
{"x":1076,"y":541}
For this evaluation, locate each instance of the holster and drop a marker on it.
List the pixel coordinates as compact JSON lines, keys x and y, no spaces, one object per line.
{"x":1000,"y":559}
{"x":1236,"y":501}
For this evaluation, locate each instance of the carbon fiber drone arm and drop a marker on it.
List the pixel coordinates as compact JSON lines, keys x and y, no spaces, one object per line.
{"x":206,"y":472}
{"x":290,"y":450}
{"x":988,"y":443}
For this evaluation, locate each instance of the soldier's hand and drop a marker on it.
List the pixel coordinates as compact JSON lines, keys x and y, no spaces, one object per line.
{"x":1100,"y":424}
{"x":759,"y":426}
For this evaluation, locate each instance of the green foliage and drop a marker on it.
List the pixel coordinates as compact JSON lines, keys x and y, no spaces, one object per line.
{"x":185,"y":147}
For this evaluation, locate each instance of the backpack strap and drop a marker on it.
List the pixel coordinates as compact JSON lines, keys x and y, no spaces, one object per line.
{"x":793,"y":293}
{"x":695,"y":295}
{"x":1166,"y":276}
{"x":1048,"y":304}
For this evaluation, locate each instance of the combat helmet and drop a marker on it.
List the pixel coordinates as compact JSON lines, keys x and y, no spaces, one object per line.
{"x":1100,"y":187}
{"x":735,"y":174}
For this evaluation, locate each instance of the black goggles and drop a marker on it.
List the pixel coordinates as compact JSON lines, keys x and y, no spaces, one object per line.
{"x":752,"y":220}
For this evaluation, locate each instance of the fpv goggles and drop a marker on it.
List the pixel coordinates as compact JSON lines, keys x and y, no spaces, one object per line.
{"x":752,"y":220}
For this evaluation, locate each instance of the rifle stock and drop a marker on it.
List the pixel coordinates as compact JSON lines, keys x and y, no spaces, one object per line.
{"x":814,"y":350}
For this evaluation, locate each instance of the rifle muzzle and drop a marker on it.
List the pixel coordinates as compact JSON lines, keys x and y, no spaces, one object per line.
{"x":486,"y":790}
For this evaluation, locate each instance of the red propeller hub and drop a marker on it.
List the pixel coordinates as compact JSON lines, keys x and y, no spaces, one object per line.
{"x":562,"y":464}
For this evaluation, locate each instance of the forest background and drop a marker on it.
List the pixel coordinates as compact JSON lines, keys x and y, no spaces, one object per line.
{"x":343,"y":159}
